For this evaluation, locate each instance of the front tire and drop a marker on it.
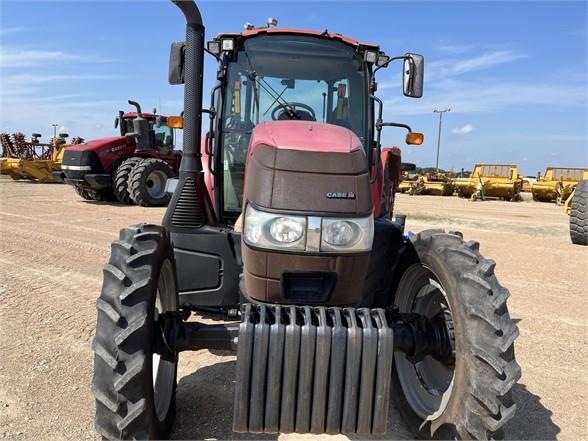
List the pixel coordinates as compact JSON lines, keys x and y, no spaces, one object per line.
{"x":134,"y":388}
{"x":83,"y":193}
{"x":121,"y":180}
{"x":147,"y":182}
{"x":579,"y":215}
{"x":470,"y":395}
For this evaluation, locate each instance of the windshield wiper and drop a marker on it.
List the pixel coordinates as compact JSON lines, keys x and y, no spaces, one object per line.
{"x":275,"y":100}
{"x":252,"y":74}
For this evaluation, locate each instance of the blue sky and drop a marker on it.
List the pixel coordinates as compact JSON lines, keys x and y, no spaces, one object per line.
{"x":513,"y":73}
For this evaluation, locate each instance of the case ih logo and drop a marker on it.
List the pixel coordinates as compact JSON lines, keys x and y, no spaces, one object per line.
{"x":341,"y":195}
{"x":117,"y":148}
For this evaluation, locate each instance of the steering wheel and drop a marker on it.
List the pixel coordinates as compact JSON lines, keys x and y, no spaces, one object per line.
{"x":293,"y":105}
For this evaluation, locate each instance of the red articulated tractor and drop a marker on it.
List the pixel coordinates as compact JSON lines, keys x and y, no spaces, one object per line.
{"x":281,"y":221}
{"x":132,"y":168}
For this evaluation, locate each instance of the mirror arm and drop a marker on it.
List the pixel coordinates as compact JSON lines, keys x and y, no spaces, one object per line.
{"x":373,"y":80}
{"x":401,"y":57}
{"x":393,"y":124}
{"x":214,"y":55}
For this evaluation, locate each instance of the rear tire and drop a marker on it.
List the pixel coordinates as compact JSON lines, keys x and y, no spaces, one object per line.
{"x":147,"y":182}
{"x":139,"y":283}
{"x":469,"y":396}
{"x":121,"y":180}
{"x":579,"y":215}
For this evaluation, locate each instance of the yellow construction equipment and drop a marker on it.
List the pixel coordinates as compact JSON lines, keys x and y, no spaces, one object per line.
{"x":33,"y":160}
{"x":558,"y":183}
{"x":491,"y":180}
{"x":431,"y":183}
{"x":406,"y":179}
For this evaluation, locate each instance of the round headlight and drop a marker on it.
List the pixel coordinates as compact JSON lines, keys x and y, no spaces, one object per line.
{"x":286,"y":230}
{"x":341,"y":233}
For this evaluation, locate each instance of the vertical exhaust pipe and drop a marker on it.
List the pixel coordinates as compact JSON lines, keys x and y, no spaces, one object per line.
{"x":190,"y":206}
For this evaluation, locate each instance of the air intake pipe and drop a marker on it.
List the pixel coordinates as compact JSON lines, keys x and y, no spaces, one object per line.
{"x":190,"y":206}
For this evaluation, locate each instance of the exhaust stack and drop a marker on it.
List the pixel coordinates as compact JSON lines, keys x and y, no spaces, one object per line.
{"x":190,"y":206}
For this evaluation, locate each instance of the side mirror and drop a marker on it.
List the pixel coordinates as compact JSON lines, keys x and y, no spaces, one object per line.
{"x":413,"y":75}
{"x":414,"y":138}
{"x":115,"y":122}
{"x":176,"y":63}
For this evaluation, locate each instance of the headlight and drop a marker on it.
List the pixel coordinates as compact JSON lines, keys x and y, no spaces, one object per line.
{"x":286,"y":230}
{"x":347,"y":235}
{"x":311,"y":234}
{"x":269,"y":230}
{"x":340,"y":233}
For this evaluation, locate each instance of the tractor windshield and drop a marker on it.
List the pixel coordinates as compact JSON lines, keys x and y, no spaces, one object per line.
{"x":162,"y":136}
{"x":282,"y":77}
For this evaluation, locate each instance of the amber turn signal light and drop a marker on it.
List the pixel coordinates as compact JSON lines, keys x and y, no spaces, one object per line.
{"x":177,"y":122}
{"x":414,"y":138}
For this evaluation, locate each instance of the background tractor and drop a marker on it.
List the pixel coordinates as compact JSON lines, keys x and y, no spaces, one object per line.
{"x":131,"y":168}
{"x":282,"y":219}
{"x":557,"y":184}
{"x":491,"y":180}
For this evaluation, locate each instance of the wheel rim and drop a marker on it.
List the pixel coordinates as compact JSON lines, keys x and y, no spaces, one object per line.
{"x":427,"y":384}
{"x":156,"y":184}
{"x":164,"y":371}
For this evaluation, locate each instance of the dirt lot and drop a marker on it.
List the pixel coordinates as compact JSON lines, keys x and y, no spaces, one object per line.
{"x":54,"y":246}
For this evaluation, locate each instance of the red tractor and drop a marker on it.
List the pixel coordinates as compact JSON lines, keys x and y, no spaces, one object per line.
{"x":131,"y":168}
{"x":281,"y":220}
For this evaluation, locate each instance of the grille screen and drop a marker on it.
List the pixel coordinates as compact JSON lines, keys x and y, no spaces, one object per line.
{"x":188,"y":210}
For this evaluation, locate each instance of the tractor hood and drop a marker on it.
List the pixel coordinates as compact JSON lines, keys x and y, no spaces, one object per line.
{"x":115,"y":142}
{"x":309,"y":136}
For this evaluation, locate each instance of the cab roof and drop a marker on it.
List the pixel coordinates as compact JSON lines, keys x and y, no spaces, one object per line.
{"x":144,"y":115}
{"x":324,"y":34}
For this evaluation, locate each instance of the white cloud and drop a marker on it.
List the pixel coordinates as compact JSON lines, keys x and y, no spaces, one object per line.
{"x":455,"y":49}
{"x":486,"y":96}
{"x":468,"y":128}
{"x":18,"y":57}
{"x":459,"y":66}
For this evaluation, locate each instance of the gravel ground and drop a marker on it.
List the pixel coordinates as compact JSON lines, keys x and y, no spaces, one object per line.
{"x":54,"y":246}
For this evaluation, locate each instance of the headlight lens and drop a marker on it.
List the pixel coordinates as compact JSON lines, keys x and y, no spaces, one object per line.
{"x":269,"y":230}
{"x":286,"y":230}
{"x":340,"y":233}
{"x":347,"y":235}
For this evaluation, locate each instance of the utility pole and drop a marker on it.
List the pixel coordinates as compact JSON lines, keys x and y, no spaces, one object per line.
{"x":440,"y":112}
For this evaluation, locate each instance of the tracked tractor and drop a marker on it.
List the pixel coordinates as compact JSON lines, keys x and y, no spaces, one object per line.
{"x":132,"y":168}
{"x":278,"y":221}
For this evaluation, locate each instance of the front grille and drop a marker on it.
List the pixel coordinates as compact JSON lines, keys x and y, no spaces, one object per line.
{"x":188,"y":209}
{"x":78,"y":159}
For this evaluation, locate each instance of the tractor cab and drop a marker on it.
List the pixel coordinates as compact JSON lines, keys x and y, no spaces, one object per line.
{"x":280,"y":77}
{"x":158,"y":133}
{"x":274,"y":74}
